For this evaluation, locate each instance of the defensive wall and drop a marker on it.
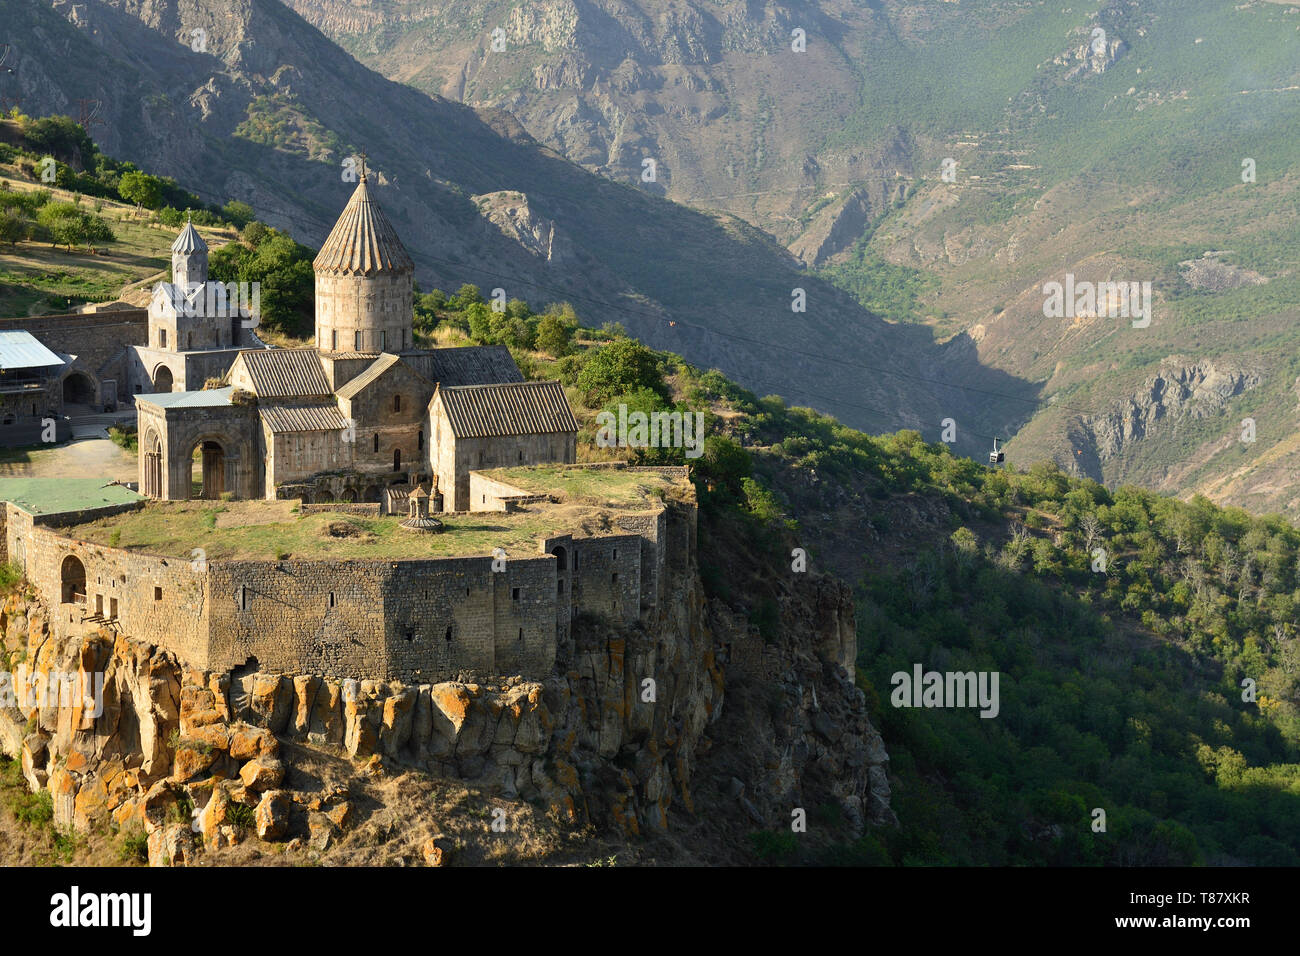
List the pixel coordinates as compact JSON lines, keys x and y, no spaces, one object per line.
{"x":415,"y":620}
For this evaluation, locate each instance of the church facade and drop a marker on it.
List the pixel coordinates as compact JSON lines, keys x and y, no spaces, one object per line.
{"x":362,"y":412}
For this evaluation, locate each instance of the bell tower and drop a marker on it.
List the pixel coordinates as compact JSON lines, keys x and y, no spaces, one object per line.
{"x":364,"y":281}
{"x":189,"y":258}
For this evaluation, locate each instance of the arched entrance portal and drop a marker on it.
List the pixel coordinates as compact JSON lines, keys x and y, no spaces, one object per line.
{"x":207,"y":470}
{"x":72,"y":575}
{"x":162,"y":379}
{"x":78,"y":389}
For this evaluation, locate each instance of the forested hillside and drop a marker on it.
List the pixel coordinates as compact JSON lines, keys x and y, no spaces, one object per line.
{"x":1147,"y":647}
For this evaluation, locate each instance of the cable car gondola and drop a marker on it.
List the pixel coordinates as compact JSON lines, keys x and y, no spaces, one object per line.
{"x":997,"y":456}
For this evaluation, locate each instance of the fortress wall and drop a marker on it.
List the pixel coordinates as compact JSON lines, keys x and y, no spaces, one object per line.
{"x":280,"y":613}
{"x":389,"y":619}
{"x":157,"y":599}
{"x":652,"y":532}
{"x":607,"y":580}
{"x":524,"y":599}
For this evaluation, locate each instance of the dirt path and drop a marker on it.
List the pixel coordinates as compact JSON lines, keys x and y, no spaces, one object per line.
{"x":88,"y":458}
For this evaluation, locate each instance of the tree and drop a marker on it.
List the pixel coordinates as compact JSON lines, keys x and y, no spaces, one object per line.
{"x":61,"y":136}
{"x":467,"y":295}
{"x":239,"y":213}
{"x":67,"y":225}
{"x":554,"y":336}
{"x":724,"y":463}
{"x":14,"y":225}
{"x":623,"y":365}
{"x":140,"y":188}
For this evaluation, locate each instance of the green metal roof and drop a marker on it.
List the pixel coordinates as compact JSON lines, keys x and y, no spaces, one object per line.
{"x":49,"y":496}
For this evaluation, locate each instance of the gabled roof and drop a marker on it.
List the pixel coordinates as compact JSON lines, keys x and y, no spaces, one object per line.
{"x":20,"y":349}
{"x":303,"y":418}
{"x":372,"y":374}
{"x":515,"y":408}
{"x":189,"y":241}
{"x":207,"y":398}
{"x":471,"y":365}
{"x":284,"y":373}
{"x":363,"y":241}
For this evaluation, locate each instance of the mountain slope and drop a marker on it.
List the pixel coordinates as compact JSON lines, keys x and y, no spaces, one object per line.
{"x":1109,"y":142}
{"x":271,"y":109}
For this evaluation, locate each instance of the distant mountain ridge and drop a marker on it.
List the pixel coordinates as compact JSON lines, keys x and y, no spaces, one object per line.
{"x":944,"y":161}
{"x":265,"y":109}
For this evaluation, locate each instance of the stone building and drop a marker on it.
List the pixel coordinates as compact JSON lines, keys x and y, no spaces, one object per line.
{"x":362,"y":411}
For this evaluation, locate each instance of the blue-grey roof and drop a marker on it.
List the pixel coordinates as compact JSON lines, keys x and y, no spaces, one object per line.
{"x":207,"y":398}
{"x":24,"y":350}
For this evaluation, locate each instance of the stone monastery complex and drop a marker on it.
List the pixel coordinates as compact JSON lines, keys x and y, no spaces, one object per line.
{"x":365,"y":509}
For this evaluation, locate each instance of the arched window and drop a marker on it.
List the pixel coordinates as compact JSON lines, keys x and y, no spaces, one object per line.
{"x":397,"y":403}
{"x":376,"y":441}
{"x":397,"y":459}
{"x":421,"y":439}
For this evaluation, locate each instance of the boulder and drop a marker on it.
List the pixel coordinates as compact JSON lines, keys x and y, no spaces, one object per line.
{"x":248,"y":742}
{"x":264,"y":773}
{"x":272,"y":814}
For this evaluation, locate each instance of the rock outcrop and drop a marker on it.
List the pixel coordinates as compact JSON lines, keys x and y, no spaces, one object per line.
{"x":615,"y":737}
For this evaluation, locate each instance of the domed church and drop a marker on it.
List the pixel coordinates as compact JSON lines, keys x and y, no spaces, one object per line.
{"x":362,"y":416}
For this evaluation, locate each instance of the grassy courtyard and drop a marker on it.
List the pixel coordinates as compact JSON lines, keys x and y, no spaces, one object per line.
{"x":611,"y":487}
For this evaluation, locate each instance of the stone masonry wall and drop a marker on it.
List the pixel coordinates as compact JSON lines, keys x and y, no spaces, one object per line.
{"x":149,"y":594}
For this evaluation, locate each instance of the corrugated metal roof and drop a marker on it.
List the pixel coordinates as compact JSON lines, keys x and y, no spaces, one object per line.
{"x":285,"y":373}
{"x":372,"y":372}
{"x":24,"y":350}
{"x":363,"y":241}
{"x":471,"y":365}
{"x":303,"y":418}
{"x":207,"y":398}
{"x":515,"y":408}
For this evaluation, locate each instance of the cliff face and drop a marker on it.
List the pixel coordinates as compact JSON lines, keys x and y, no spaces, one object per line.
{"x":617,"y":741}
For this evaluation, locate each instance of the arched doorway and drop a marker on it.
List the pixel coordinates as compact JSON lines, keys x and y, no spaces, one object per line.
{"x":207,"y":470}
{"x":349,"y":495}
{"x":72,"y":576}
{"x":162,"y":379}
{"x":78,"y":389}
{"x":371,"y":494}
{"x":322,"y":497}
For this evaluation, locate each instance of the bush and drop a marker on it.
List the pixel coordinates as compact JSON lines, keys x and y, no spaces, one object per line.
{"x":133,"y":845}
{"x":622,"y":366}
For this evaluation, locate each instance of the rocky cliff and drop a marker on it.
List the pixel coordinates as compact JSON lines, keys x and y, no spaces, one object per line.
{"x":627,"y":740}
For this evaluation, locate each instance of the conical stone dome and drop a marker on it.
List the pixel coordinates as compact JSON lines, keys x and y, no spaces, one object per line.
{"x":364,"y":280}
{"x":363,"y":241}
